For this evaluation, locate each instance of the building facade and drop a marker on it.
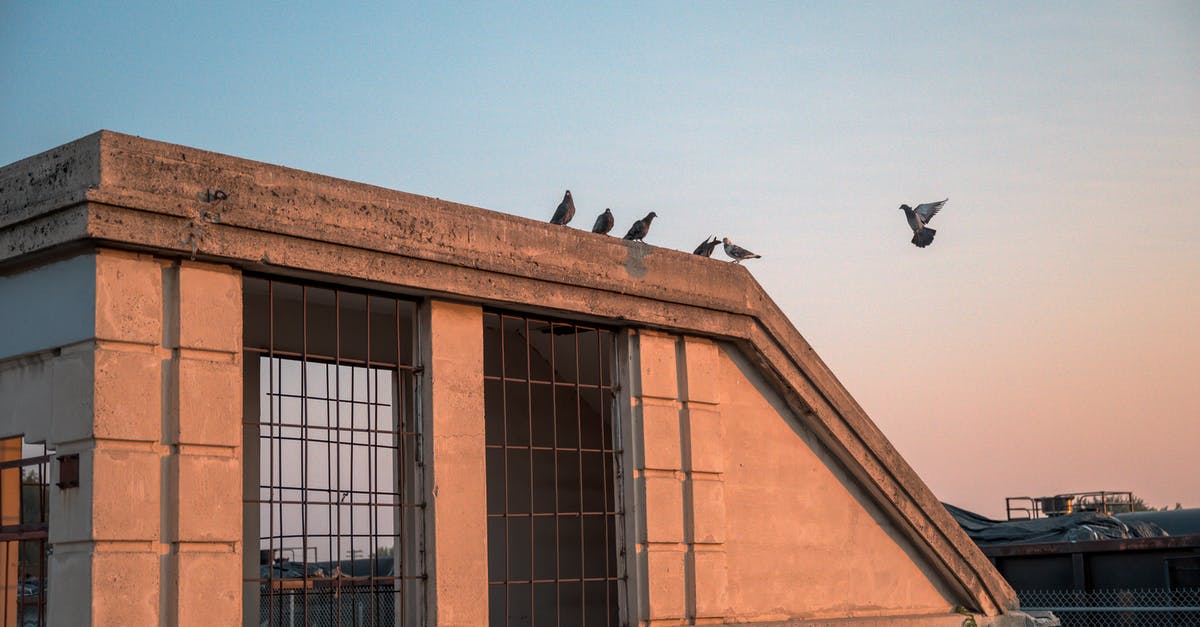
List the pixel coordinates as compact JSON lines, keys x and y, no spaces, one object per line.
{"x":235,"y":393}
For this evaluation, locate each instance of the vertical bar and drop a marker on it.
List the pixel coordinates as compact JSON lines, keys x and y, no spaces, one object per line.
{"x":603,"y":410}
{"x":529,"y":417}
{"x":304,"y":446}
{"x":270,"y":452}
{"x":579,"y":446}
{"x":336,"y":558}
{"x":401,"y":425}
{"x":504,"y":447}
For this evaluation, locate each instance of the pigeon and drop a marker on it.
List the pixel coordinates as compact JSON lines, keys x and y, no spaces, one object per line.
{"x":918,"y":218}
{"x":604,"y":222}
{"x":565,"y":211}
{"x":737,"y":252}
{"x":640,"y":228}
{"x":705,"y":249}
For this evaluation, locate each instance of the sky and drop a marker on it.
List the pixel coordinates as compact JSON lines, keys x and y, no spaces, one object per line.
{"x":1047,"y":342}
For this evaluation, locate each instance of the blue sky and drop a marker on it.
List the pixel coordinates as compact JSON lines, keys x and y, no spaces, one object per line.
{"x":1046,"y":342}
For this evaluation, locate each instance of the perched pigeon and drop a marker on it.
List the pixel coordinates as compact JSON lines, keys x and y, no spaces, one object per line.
{"x":565,"y":211}
{"x":737,"y":252}
{"x":604,"y":222}
{"x":641,"y":227}
{"x":918,"y":218}
{"x":705,"y":249}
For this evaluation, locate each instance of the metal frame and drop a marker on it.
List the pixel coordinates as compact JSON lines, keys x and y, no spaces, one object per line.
{"x":554,"y":468}
{"x":28,"y":538}
{"x":339,"y":482}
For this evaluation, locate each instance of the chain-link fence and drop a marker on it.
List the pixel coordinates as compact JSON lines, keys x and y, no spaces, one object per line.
{"x":353,"y":606}
{"x":1144,"y":607}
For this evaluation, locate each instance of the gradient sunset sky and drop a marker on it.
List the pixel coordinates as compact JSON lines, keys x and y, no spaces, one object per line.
{"x":1048,"y":341}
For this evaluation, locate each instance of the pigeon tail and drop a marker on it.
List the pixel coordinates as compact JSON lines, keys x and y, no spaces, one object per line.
{"x":924,"y":237}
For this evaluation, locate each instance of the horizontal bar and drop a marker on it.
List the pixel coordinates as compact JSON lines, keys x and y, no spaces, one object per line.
{"x":28,"y":461}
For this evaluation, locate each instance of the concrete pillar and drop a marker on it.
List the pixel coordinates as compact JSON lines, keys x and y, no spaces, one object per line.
{"x":204,"y":438}
{"x":149,"y":397}
{"x":678,"y":468}
{"x":456,"y":518}
{"x":106,"y":532}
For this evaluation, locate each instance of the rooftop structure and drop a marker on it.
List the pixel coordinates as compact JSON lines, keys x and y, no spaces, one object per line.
{"x":284,"y":395}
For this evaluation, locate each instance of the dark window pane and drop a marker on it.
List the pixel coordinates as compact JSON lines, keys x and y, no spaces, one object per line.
{"x":287,"y":317}
{"x":545,"y":558}
{"x":589,"y":357}
{"x":519,"y":547}
{"x":495,"y":481}
{"x":492,"y":357}
{"x":352,"y":326}
{"x":516,"y":412}
{"x":590,"y":422}
{"x":542,"y":410}
{"x":497,"y":610}
{"x":595,"y":549}
{"x":518,"y":481}
{"x":568,"y":481}
{"x":540,"y":350}
{"x":520,"y":605}
{"x":564,"y":353}
{"x":256,"y":316}
{"x":515,"y":347}
{"x":321,"y":322}
{"x":595,"y":611}
{"x":606,"y":357}
{"x":543,"y":482}
{"x":566,"y":407}
{"x":383,"y":330}
{"x":493,"y":402}
{"x":594,"y":482}
{"x":497,"y":539}
{"x":570,"y":598}
{"x":545,"y":604}
{"x":570,"y":545}
{"x":407,"y":312}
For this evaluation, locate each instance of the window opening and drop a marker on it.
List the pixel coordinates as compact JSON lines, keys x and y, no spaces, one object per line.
{"x":553,"y":471}
{"x":24,"y":526}
{"x":334,"y":499}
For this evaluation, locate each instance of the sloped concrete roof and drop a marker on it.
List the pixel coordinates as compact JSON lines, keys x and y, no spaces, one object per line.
{"x":123,"y":191}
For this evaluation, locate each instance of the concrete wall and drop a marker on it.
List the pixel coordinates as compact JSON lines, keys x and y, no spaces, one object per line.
{"x":150,"y":399}
{"x":740,"y":513}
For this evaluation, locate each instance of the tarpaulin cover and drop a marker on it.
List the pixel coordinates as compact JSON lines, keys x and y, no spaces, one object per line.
{"x":1077,"y":527}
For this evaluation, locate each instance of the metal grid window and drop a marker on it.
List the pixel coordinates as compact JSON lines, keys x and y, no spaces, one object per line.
{"x":553,"y":471}
{"x":334,"y":496}
{"x":24,"y":525}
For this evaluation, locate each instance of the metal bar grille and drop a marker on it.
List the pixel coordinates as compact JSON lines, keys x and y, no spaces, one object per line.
{"x":552,"y":467}
{"x":24,"y":526}
{"x":335,"y":503}
{"x":1135,"y":607}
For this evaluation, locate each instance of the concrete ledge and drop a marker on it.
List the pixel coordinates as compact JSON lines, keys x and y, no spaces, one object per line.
{"x":152,"y":196}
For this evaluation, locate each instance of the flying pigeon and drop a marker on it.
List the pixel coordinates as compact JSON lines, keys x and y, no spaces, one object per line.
{"x":737,"y":252}
{"x":641,"y":227}
{"x":705,"y":249}
{"x":918,"y":218}
{"x":565,"y":211}
{"x":604,"y":222}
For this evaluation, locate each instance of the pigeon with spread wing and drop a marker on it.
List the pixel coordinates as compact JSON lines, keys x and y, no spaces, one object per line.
{"x":918,"y":219}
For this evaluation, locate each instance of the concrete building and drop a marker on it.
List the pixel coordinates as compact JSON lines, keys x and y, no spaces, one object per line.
{"x":237,"y":393}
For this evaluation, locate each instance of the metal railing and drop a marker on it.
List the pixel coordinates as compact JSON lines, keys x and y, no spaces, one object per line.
{"x":1139,"y":607}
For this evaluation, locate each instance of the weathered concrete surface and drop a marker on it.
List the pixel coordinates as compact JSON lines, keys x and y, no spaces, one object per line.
{"x":151,"y":196}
